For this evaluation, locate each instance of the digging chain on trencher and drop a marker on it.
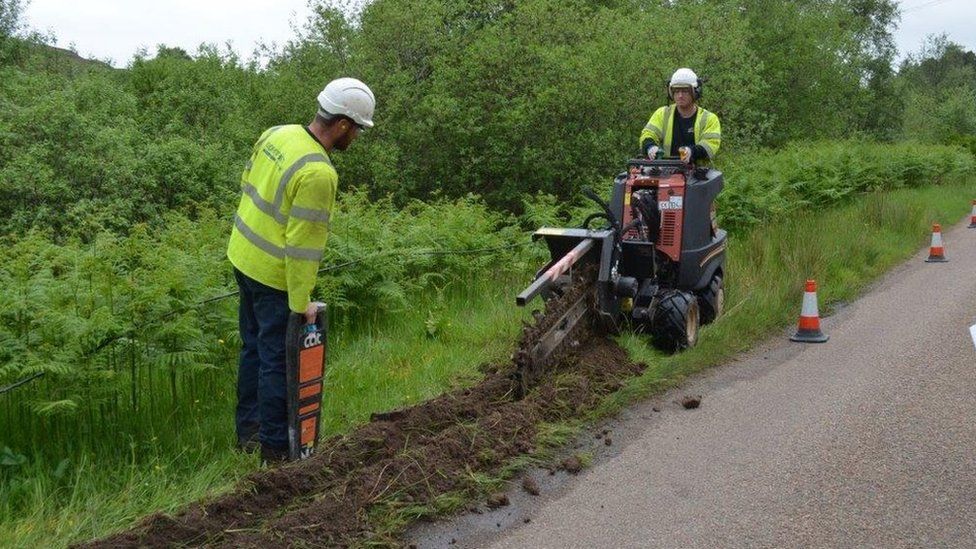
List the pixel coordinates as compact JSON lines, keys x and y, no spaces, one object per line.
{"x":557,"y":331}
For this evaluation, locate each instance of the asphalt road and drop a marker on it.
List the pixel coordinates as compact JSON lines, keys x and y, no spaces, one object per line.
{"x":868,"y":440}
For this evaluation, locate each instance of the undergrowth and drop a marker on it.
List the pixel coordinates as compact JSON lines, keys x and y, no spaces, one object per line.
{"x":766,"y":270}
{"x":146,"y":393}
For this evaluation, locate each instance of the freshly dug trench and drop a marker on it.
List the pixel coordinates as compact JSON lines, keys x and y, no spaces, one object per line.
{"x":404,"y":458}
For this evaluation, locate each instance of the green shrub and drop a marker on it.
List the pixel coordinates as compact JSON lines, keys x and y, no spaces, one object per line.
{"x":770,"y":184}
{"x":119,"y":326}
{"x":501,"y":99}
{"x":967,"y":142}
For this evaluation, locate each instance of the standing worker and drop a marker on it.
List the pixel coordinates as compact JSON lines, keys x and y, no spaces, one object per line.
{"x":683,"y":129}
{"x":279,"y":234}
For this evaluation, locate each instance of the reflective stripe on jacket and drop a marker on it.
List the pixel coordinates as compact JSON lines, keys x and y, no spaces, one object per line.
{"x":288,"y":191}
{"x":708,"y":130}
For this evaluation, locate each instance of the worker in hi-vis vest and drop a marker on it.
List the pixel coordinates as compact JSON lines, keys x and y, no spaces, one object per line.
{"x":277,"y":241}
{"x":683,"y":129}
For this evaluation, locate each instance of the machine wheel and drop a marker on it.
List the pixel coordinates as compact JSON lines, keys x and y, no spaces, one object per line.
{"x":711,"y":300}
{"x":675,"y":325}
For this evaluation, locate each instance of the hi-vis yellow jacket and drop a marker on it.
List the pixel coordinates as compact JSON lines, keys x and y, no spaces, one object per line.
{"x":708,"y":130}
{"x":288,"y":191}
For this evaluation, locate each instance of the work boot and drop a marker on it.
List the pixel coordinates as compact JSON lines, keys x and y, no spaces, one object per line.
{"x":271,"y":457}
{"x":248,"y":445}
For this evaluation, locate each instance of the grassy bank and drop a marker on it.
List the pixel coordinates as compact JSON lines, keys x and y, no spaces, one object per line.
{"x":846,"y":249}
{"x":406,"y":361}
{"x":137,"y":355}
{"x":413,"y":356}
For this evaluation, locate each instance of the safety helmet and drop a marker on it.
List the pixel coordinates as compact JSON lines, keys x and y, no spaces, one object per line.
{"x":348,"y":97}
{"x":685,"y":77}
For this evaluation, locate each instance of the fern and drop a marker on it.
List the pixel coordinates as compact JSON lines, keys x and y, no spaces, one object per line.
{"x":54,"y":407}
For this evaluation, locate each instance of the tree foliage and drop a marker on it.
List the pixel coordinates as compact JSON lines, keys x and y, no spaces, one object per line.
{"x":939,"y":86}
{"x":494,"y":97}
{"x":11,"y":23}
{"x":11,"y":12}
{"x":827,"y":64}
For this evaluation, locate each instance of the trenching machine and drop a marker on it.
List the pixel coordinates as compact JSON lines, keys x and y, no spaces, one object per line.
{"x":655,"y":266}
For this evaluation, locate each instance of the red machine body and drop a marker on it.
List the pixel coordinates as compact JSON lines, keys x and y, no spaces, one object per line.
{"x":670,"y":203}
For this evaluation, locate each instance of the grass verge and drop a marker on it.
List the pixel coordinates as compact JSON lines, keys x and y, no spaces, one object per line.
{"x":417,"y":355}
{"x":845,"y":249}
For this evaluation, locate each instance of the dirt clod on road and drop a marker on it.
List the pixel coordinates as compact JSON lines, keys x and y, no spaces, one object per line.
{"x":530,"y":486}
{"x":498,"y":499}
{"x":572,"y":465}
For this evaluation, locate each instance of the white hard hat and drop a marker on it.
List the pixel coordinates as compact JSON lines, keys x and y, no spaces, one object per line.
{"x":684,"y":77}
{"x":348,"y":97}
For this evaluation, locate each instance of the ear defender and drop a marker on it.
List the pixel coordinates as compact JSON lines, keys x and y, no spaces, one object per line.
{"x":697,"y":90}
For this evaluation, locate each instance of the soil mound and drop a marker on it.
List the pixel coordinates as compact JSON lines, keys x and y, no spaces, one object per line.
{"x":403,"y":458}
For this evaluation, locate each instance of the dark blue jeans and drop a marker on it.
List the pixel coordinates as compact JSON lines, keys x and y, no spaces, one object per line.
{"x":261,"y":392}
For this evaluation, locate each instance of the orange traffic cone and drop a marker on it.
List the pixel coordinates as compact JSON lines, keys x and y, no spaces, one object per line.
{"x":972,"y":219}
{"x":936,"y":251}
{"x":809,"y":329}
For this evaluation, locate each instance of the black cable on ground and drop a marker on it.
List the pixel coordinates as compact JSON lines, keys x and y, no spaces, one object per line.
{"x":221,"y":297}
{"x":24,"y":381}
{"x":355,"y":261}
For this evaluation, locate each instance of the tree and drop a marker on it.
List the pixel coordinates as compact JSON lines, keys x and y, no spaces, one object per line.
{"x":11,"y":23}
{"x":939,"y":86}
{"x":10,"y":17}
{"x":826,"y":62}
{"x":873,"y":51}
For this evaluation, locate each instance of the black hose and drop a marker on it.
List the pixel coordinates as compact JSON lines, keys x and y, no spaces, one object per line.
{"x":591,"y":217}
{"x":614,"y":222}
{"x":26,"y":380}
